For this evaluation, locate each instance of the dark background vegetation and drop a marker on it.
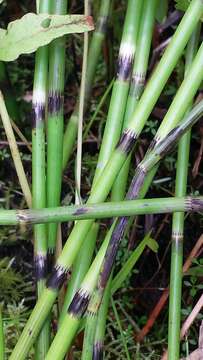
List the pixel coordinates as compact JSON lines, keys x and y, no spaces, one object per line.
{"x":143,"y":289}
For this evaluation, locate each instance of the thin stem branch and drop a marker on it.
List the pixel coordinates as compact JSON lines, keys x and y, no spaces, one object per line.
{"x":14,"y":152}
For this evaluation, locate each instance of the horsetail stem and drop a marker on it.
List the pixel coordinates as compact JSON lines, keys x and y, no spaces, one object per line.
{"x":118,"y":191}
{"x":81,"y":299}
{"x":55,"y":122}
{"x":122,"y":223}
{"x":80,"y":267}
{"x":169,"y":125}
{"x":100,"y":211}
{"x":78,"y":162}
{"x":119,"y":187}
{"x":78,"y":305}
{"x":98,"y":346}
{"x":38,"y":176}
{"x":161,"y":149}
{"x":121,"y":85}
{"x":93,"y":57}
{"x":103,"y":185}
{"x":178,"y":225}
{"x":137,"y":82}
{"x":128,"y":38}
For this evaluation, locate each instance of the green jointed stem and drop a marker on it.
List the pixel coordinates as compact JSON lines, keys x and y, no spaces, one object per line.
{"x":93,"y":57}
{"x":89,"y":333}
{"x":80,"y":267}
{"x":121,"y":85}
{"x":78,"y":306}
{"x":55,"y":121}
{"x":179,"y":105}
{"x":101,"y":210}
{"x":152,"y":159}
{"x":137,"y":82}
{"x":178,"y":226}
{"x":101,"y":323}
{"x":78,"y":162}
{"x":143,"y":45}
{"x":119,"y":188}
{"x":81,"y":299}
{"x":166,"y":66}
{"x":38,"y":148}
{"x":104,"y":184}
{"x":39,"y":177}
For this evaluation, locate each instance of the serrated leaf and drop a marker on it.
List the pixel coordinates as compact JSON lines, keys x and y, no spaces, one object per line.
{"x":32,"y":31}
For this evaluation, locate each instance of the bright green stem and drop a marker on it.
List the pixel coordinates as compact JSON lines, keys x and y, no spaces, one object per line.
{"x":137,"y":83}
{"x":166,"y":65}
{"x":183,"y":97}
{"x":80,"y":267}
{"x":101,"y":319}
{"x":37,"y":319}
{"x":38,"y":137}
{"x":178,"y":226}
{"x":93,"y":57}
{"x":70,"y":321}
{"x":62,"y":343}
{"x":55,"y":121}
{"x":7,"y":91}
{"x":90,"y":328}
{"x":112,"y":286}
{"x":106,"y":180}
{"x":101,"y":211}
{"x":136,"y":90}
{"x":152,"y":92}
{"x":120,"y":90}
{"x":118,"y":190}
{"x":2,"y":346}
{"x":39,"y":177}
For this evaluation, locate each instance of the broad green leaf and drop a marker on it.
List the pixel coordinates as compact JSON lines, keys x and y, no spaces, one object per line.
{"x":27,"y":34}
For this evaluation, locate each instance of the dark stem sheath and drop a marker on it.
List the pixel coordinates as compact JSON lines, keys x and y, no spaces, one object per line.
{"x":160,"y":150}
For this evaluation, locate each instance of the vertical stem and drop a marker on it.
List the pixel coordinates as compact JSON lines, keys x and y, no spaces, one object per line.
{"x":136,"y":88}
{"x":178,"y":227}
{"x":103,"y":186}
{"x":93,"y":57}
{"x":121,"y":85}
{"x":39,"y":177}
{"x":55,"y":122}
{"x":81,"y":114}
{"x":15,"y":152}
{"x":80,"y":267}
{"x":137,"y":83}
